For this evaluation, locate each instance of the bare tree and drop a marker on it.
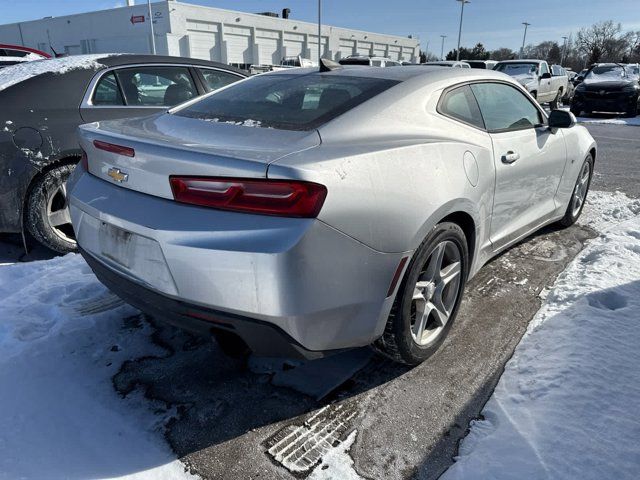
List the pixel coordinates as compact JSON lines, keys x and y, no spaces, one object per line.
{"x":602,"y":42}
{"x":503,"y":54}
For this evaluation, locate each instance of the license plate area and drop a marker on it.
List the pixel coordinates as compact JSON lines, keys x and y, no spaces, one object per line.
{"x":116,"y":244}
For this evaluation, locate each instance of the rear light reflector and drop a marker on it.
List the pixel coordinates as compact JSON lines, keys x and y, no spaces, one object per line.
{"x":396,"y":276}
{"x":113,"y":148}
{"x":84,"y":161}
{"x":286,"y":198}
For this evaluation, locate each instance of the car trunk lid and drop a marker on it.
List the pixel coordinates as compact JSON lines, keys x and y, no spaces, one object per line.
{"x":166,"y":145}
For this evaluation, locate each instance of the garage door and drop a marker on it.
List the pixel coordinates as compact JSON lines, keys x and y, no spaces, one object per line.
{"x":407,"y":53}
{"x":379,"y":50}
{"x":204,"y":39}
{"x":268,"y":51}
{"x":394,"y":52}
{"x":204,"y":46}
{"x":238,"y":50}
{"x":364,"y":48}
{"x":346,"y":47}
{"x":313,"y":48}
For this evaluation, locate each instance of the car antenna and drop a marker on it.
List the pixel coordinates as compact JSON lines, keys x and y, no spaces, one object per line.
{"x":327,"y":65}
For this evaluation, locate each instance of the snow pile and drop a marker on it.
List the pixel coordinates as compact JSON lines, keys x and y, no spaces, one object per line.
{"x":19,"y":73}
{"x":635,"y":121}
{"x":62,"y":338}
{"x":567,"y":404}
{"x":337,"y":464}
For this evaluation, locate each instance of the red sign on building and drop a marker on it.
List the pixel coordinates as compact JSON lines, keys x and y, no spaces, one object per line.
{"x":137,"y":18}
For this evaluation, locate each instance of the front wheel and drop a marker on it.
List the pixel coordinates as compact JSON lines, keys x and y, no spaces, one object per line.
{"x":576,"y":111}
{"x":428,"y":298}
{"x":47,"y":211}
{"x":579,"y":195}
{"x":633,"y":111}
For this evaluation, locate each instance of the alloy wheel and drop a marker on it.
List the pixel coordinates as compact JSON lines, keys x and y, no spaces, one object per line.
{"x":582,"y":186}
{"x":435,"y":292}
{"x":58,"y":215}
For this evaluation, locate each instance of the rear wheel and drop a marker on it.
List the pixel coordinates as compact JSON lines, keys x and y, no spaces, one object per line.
{"x":47,"y":211}
{"x":428,"y":299}
{"x":579,"y":195}
{"x":554,"y":104}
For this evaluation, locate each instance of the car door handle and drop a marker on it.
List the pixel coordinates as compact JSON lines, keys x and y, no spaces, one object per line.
{"x":510,"y":157}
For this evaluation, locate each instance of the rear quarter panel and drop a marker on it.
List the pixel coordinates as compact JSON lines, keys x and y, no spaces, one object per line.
{"x":392,"y":174}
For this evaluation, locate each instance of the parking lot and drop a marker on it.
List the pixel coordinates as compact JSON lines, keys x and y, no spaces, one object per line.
{"x":225,"y":418}
{"x":320,"y":241}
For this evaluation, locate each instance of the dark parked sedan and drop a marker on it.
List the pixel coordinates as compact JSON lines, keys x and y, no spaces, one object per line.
{"x":607,"y":87}
{"x":43,"y":102}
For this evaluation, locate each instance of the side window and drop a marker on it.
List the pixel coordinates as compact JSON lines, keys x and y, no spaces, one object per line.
{"x":460,"y":104}
{"x":107,"y":91}
{"x":156,"y":86}
{"x":376,"y":63}
{"x":215,"y":79}
{"x":544,"y":68}
{"x":504,"y":107}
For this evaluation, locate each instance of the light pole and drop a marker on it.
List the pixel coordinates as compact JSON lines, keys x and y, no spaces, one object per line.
{"x":524,"y":39}
{"x":319,"y":30}
{"x":442,"y":48}
{"x":153,"y":37}
{"x":564,"y":50}
{"x":462,"y":2}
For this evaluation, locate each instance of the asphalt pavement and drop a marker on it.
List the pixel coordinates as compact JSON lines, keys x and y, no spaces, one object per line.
{"x":618,"y":162}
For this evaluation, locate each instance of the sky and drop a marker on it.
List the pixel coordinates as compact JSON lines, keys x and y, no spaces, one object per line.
{"x":495,"y":23}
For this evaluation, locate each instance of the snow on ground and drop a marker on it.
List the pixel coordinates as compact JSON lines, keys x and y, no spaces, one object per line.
{"x":608,"y":120}
{"x":19,"y":73}
{"x":566,"y":406}
{"x":62,"y":338}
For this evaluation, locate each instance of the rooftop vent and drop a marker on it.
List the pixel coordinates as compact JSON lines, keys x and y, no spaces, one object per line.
{"x":269,"y":14}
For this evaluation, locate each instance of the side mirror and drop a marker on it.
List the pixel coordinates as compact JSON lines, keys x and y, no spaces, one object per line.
{"x":545,"y":76}
{"x":561,"y":119}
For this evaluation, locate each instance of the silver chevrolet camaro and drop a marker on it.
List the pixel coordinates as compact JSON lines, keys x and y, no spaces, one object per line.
{"x":303,"y":212}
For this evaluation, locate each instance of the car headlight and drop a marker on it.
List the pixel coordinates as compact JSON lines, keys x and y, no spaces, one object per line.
{"x":631,"y":88}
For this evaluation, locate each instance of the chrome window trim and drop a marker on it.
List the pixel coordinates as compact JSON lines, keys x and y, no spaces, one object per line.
{"x":88,"y":96}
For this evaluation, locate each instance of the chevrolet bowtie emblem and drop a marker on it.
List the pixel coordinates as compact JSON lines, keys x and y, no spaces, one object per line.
{"x":118,"y":175}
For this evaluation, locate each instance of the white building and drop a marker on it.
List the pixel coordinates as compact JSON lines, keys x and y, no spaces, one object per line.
{"x":183,"y":29}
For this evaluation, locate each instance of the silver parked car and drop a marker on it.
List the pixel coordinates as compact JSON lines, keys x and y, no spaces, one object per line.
{"x":304,"y":212}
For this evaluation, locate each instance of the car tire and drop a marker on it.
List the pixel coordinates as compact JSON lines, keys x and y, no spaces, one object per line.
{"x":427,"y":301}
{"x":554,"y":104}
{"x":576,"y":111}
{"x":633,"y":111}
{"x":47,"y":214}
{"x":579,"y":193}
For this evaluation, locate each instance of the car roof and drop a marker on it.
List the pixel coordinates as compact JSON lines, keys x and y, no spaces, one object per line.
{"x":401,"y":73}
{"x":522,"y":60}
{"x":114,"y":60}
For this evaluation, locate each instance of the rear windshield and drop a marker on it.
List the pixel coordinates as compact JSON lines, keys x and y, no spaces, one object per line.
{"x":517,"y":68}
{"x":288,"y":102}
{"x":354,"y":61}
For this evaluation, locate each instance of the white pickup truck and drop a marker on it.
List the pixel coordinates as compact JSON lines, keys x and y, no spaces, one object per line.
{"x":536,"y":77}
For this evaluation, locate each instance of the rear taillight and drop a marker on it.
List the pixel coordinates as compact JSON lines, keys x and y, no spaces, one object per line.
{"x":287,"y":198}
{"x":84,"y":161}
{"x":113,"y":148}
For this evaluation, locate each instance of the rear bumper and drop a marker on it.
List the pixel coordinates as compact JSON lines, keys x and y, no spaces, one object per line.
{"x":262,"y":337}
{"x":320,"y":288}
